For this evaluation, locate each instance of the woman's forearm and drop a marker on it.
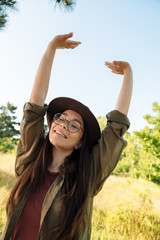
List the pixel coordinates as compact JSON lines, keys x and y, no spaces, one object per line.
{"x":41,"y":83}
{"x":124,"y":98}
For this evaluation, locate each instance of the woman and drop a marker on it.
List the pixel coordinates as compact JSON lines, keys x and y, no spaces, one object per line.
{"x":61,"y":173}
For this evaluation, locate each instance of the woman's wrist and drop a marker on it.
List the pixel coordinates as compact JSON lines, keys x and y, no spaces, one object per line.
{"x":128,"y":70}
{"x":52,"y":45}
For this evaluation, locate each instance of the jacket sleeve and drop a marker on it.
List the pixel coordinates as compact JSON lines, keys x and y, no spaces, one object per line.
{"x":106,"y":153}
{"x":32,"y":136}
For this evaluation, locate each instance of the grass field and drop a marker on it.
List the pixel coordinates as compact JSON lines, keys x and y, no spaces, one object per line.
{"x":125,"y":209}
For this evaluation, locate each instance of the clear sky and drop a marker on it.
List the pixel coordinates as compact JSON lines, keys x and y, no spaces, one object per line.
{"x":126,"y":30}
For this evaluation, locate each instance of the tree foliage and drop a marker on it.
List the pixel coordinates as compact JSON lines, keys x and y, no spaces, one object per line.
{"x":8,"y":144}
{"x":66,"y":4}
{"x":8,"y":121}
{"x":102,"y":122}
{"x":5,"y":7}
{"x":8,"y":132}
{"x":149,"y":138}
{"x":141,"y":158}
{"x":10,"y":5}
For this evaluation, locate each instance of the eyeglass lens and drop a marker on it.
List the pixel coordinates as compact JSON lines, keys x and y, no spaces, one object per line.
{"x":73,"y":126}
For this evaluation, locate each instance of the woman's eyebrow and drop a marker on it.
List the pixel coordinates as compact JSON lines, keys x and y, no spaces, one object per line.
{"x":75,"y":119}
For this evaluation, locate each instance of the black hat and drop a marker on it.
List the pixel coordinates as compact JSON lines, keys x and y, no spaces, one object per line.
{"x":60,"y":104}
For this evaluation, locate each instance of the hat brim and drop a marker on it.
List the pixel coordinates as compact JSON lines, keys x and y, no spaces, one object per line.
{"x":60,"y":104}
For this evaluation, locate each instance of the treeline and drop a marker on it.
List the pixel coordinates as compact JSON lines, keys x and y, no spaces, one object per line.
{"x":8,"y":132}
{"x":140,"y":159}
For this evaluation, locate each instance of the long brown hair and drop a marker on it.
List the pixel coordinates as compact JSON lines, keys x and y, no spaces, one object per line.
{"x":76,"y":187}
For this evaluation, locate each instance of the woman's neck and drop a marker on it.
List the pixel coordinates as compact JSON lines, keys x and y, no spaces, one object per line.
{"x":58,"y":157}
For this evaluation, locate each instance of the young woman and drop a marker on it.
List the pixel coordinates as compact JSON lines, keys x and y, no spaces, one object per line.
{"x":59,"y":174}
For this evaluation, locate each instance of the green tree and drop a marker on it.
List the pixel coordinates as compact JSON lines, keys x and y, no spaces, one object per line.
{"x":8,"y":121}
{"x":149,"y":139}
{"x":5,"y":7}
{"x":66,"y":4}
{"x":129,"y":160}
{"x":141,"y":157}
{"x":102,"y":122}
{"x":8,"y":132}
{"x":10,"y":5}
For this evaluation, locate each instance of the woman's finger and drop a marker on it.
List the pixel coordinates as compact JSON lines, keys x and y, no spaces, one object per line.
{"x":72,"y":43}
{"x":108,"y":64}
{"x":69,"y":35}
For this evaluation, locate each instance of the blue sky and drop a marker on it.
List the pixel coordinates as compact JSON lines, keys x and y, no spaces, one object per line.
{"x":109,"y":30}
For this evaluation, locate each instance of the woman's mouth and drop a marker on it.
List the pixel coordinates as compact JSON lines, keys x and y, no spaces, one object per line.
{"x":60,"y":133}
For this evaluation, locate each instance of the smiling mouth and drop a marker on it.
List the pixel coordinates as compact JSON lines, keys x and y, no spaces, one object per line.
{"x":60,"y":133}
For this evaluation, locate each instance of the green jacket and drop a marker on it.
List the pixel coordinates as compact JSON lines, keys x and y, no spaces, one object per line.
{"x":106,"y":153}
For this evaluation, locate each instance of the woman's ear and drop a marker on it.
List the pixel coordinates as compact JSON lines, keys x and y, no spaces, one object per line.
{"x":79,"y":145}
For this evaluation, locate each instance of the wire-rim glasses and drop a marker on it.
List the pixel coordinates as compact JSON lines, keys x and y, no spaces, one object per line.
{"x":73,"y":126}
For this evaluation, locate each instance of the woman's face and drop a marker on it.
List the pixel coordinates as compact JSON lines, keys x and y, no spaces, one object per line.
{"x":64,"y":140}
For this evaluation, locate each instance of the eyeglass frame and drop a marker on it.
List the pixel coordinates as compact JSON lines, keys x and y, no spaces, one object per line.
{"x":68,"y":122}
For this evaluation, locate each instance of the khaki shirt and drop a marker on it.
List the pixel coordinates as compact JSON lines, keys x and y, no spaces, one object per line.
{"x":104,"y":155}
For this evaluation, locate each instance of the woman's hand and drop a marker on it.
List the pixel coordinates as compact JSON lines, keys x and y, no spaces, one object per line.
{"x":62,"y":41}
{"x":124,"y":98}
{"x":41,"y":83}
{"x":119,"y":67}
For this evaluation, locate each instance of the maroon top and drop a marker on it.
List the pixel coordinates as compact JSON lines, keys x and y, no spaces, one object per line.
{"x":27,"y":227}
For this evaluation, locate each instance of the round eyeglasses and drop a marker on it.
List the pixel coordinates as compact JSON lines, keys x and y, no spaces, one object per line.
{"x":72,"y":126}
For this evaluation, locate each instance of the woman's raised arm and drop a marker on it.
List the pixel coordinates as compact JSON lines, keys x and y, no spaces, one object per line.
{"x":41,"y":83}
{"x":124,"y":98}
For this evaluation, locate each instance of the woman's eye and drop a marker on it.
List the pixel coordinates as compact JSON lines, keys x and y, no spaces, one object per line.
{"x":61,"y":119}
{"x":74,"y":126}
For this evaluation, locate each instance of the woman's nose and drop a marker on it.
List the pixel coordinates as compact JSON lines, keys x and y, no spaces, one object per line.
{"x":64,"y":124}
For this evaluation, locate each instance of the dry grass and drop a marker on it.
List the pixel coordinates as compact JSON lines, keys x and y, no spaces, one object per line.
{"x":121,"y":190}
{"x":7,"y":163}
{"x":125,"y":209}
